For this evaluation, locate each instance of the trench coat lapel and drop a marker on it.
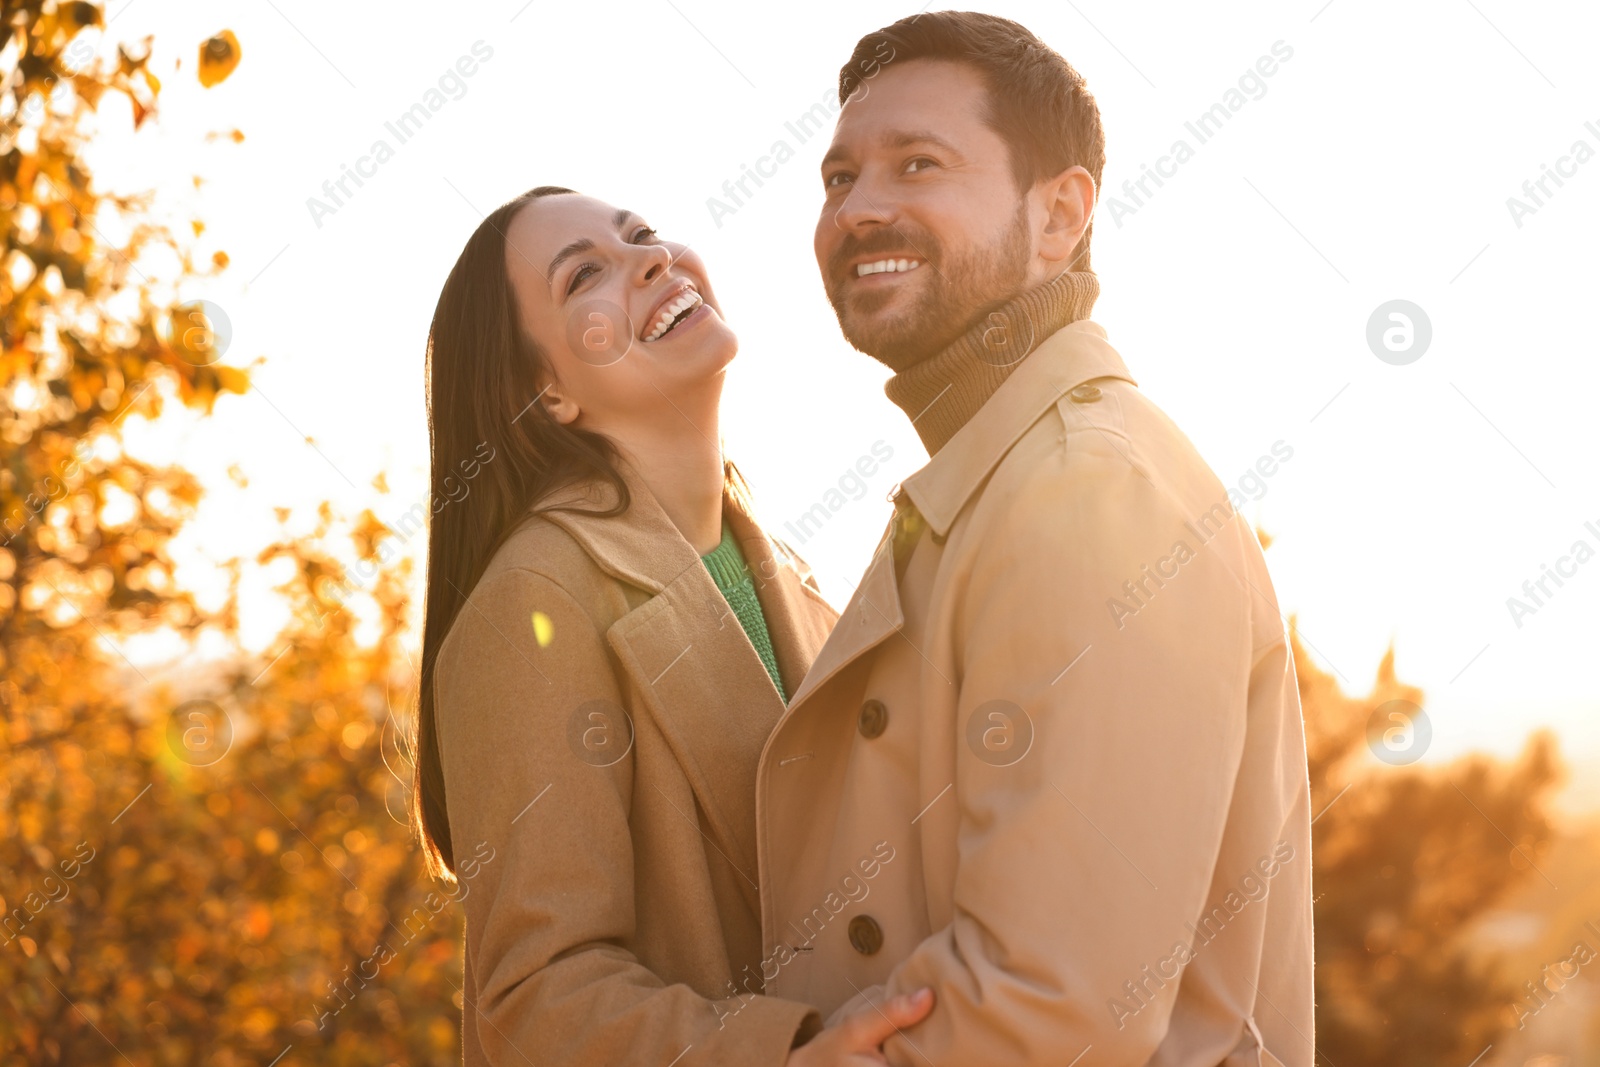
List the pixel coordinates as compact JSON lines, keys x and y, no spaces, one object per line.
{"x":872,"y":614}
{"x":798,"y":618}
{"x":688,"y":658}
{"x":1075,"y":354}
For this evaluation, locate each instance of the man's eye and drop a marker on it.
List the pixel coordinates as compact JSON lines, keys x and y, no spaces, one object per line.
{"x":579,"y":276}
{"x":833,"y":181}
{"x":919,"y":164}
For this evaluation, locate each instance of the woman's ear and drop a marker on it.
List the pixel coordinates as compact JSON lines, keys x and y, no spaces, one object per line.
{"x":560,"y":407}
{"x":1069,"y":206}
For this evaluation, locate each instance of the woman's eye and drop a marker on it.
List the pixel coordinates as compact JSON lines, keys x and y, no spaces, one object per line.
{"x":579,"y":276}
{"x":582,"y":274}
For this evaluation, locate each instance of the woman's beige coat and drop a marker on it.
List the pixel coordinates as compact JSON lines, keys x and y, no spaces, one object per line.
{"x":600,"y":713}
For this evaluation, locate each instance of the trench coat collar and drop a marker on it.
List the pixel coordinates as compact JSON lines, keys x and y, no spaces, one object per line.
{"x":644,"y":549}
{"x":1075,"y":354}
{"x":687,"y":655}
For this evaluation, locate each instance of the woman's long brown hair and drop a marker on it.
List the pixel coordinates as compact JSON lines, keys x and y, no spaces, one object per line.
{"x":483,"y":374}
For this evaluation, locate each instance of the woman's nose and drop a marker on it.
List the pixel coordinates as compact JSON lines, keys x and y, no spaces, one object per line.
{"x":654,"y":261}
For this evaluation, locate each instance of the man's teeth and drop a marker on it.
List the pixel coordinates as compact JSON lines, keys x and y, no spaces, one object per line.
{"x":885,"y":266}
{"x":669,"y":314}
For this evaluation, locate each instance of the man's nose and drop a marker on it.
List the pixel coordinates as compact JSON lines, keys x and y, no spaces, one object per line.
{"x":865,"y":208}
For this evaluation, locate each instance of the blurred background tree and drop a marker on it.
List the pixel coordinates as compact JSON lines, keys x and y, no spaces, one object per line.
{"x":199,"y":867}
{"x":212,"y":865}
{"x":1404,"y":859}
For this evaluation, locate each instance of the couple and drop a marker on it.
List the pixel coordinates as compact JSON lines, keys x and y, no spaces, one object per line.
{"x":1037,"y":796}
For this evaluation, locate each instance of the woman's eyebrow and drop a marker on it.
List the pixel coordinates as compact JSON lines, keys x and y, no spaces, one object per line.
{"x":583,"y":244}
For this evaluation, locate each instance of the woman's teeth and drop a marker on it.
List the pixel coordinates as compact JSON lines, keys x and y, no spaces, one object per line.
{"x":671,"y":314}
{"x":886,"y":266}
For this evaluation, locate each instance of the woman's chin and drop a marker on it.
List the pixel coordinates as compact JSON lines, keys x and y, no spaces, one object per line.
{"x":705,"y":348}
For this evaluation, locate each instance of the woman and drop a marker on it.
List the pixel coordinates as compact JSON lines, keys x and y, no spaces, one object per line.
{"x":609,"y":638}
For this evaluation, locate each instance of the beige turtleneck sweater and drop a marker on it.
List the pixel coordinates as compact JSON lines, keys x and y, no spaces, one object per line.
{"x":942,"y":392}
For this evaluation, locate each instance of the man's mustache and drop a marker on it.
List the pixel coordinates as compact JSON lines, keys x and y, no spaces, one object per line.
{"x":882,"y":244}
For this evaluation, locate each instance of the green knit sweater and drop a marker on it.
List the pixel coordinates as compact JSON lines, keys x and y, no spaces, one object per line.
{"x":732,"y":575}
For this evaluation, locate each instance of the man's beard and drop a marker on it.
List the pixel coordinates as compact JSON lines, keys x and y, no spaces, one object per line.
{"x":957,"y":295}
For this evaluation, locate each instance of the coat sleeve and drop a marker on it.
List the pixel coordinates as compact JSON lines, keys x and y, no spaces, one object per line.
{"x":548,"y":914}
{"x":1099,"y":733}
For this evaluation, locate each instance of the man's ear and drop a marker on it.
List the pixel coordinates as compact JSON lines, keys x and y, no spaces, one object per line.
{"x":1069,"y":208}
{"x":561,"y":407}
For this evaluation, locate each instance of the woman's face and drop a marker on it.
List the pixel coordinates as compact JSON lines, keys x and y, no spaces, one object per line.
{"x":625,"y":318}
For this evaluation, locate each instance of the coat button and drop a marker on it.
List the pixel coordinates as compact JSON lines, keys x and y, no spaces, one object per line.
{"x":1085,"y":394}
{"x":873,"y":719}
{"x":866,"y":936}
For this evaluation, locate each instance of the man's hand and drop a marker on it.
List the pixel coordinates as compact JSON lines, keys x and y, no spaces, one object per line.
{"x":858,"y":1039}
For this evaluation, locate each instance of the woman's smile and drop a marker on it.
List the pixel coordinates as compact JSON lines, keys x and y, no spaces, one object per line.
{"x":674,"y":310}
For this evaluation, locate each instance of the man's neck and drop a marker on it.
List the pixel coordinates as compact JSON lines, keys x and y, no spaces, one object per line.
{"x":942,"y":392}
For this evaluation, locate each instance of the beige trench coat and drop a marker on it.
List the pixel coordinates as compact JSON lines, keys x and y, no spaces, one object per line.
{"x":600,"y":714}
{"x":1056,"y":770}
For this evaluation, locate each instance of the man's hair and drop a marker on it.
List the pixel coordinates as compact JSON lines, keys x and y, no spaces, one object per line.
{"x":1038,"y":104}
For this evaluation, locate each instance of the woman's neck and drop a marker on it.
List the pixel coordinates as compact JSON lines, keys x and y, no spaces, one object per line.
{"x":681,"y":463}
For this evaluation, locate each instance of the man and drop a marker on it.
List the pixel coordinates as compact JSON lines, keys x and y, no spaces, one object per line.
{"x":1050,"y":762}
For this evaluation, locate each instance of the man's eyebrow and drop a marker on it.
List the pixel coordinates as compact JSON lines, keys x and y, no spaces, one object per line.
{"x":583,"y":244}
{"x":907,"y":138}
{"x":894,"y":139}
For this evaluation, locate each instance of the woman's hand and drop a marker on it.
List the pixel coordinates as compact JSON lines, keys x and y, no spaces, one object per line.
{"x":857,"y":1039}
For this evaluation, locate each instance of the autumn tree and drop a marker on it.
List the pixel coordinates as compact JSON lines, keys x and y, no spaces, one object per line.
{"x":199,"y":865}
{"x":1403,"y":859}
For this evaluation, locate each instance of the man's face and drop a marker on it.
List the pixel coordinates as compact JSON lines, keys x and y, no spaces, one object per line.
{"x":916,"y":180}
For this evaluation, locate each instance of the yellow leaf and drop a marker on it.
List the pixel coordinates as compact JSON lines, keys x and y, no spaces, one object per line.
{"x":232,"y":379}
{"x":218,"y":56}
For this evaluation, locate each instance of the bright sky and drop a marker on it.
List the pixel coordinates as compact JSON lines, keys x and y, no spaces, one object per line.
{"x":1373,"y":164}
